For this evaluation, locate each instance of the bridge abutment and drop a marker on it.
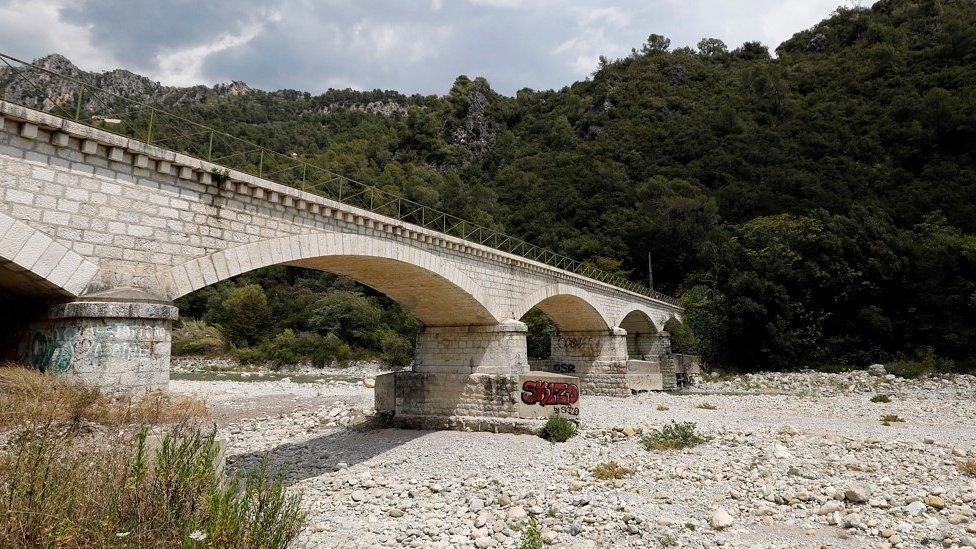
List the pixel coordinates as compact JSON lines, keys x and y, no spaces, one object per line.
{"x":113,"y":341}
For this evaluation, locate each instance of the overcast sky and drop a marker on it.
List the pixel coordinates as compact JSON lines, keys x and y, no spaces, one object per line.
{"x":406,"y":45}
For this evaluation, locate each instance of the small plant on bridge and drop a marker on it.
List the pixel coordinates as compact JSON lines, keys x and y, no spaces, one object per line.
{"x":674,"y":436}
{"x":531,"y":537}
{"x":611,"y":470}
{"x":881,"y":399}
{"x":558,"y":429}
{"x":888,"y":419}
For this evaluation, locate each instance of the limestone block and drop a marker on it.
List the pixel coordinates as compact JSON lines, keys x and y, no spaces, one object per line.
{"x":28,"y":130}
{"x":89,"y":146}
{"x":60,"y":139}
{"x":116,"y":154}
{"x":163,"y":167}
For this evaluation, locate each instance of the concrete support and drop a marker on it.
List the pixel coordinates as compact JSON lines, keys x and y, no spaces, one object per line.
{"x":120,"y":345}
{"x":473,"y":378}
{"x":598,"y":359}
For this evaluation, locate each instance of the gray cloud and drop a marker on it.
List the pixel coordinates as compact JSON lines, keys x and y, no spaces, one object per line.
{"x":412,"y":46}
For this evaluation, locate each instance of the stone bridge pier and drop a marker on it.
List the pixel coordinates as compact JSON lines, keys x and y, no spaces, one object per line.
{"x":598,"y":359}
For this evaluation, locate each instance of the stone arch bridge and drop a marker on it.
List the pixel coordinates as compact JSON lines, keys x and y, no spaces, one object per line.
{"x":107,"y":231}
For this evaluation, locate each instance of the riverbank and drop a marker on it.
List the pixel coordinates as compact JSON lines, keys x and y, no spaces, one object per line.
{"x":792,"y":460}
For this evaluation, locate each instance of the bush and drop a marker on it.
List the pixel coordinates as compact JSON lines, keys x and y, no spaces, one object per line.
{"x":395,"y":349}
{"x":881,"y":399}
{"x":923,"y":364}
{"x":531,"y":537}
{"x":246,"y":315}
{"x":674,"y":436}
{"x":196,"y":337}
{"x":611,"y":470}
{"x":65,"y":492}
{"x":558,"y":429}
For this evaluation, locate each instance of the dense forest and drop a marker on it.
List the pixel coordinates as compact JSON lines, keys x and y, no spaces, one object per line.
{"x":812,"y":206}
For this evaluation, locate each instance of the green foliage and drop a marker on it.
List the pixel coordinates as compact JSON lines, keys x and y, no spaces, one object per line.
{"x":304,"y":316}
{"x":196,"y":337}
{"x":60,"y":491}
{"x":245,"y":314}
{"x":531,"y":537}
{"x":558,"y":429}
{"x":881,"y":399}
{"x":673,"y":436}
{"x":888,"y":419}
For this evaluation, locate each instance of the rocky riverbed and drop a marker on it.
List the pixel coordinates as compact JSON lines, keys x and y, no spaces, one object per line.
{"x":792,"y":460}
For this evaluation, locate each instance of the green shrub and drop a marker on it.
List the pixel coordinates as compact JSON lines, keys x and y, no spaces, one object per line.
{"x":395,"y":349}
{"x":245,"y":315}
{"x":924,"y":363}
{"x":196,"y":337}
{"x":558,"y":429}
{"x":65,"y":492}
{"x":835,"y":368}
{"x":881,"y":399}
{"x":531,"y":537}
{"x":611,"y":470}
{"x":674,"y":436}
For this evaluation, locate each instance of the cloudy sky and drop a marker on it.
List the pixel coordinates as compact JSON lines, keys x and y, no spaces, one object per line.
{"x":407,"y":45}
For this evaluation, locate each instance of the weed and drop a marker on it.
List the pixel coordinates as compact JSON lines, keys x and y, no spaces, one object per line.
{"x":611,"y":470}
{"x":967,"y":467}
{"x":69,"y":491}
{"x":662,"y":408}
{"x":29,"y":397}
{"x":196,"y":337}
{"x":888,"y":419}
{"x":691,"y":526}
{"x":668,"y":540}
{"x":881,"y":399}
{"x":531,"y":537}
{"x":558,"y":429}
{"x":674,"y":436}
{"x":707,"y":406}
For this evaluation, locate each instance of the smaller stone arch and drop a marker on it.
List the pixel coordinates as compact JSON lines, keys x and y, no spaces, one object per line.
{"x":640,"y":328}
{"x":34,"y":264}
{"x":571,"y":309}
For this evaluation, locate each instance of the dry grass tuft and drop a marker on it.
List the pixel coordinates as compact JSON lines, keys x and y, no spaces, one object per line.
{"x":611,"y":470}
{"x":968,"y":467}
{"x":888,"y":419}
{"x":707,"y":406}
{"x":31,"y":397}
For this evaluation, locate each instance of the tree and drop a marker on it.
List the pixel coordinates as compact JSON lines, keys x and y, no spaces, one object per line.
{"x":246,"y":315}
{"x":656,"y":44}
{"x":712,"y":48}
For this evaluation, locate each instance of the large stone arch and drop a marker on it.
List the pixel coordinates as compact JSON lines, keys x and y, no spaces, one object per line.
{"x":34,"y":264}
{"x":571,"y":309}
{"x":427,"y":284}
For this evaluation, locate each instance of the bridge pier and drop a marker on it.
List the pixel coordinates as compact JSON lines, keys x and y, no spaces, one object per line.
{"x":597,"y":358}
{"x":469,"y":378}
{"x":119,"y":341}
{"x":652,"y":366}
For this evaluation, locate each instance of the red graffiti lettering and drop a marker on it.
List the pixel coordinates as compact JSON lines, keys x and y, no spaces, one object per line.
{"x":549,"y":393}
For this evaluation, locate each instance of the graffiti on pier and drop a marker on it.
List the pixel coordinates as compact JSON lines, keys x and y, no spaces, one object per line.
{"x":563,"y":367}
{"x":52,"y":350}
{"x":549,"y":393}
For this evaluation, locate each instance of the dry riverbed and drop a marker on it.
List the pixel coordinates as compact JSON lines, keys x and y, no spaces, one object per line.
{"x":799,"y":460}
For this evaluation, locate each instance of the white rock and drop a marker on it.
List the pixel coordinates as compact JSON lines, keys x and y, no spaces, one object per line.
{"x":721,"y":519}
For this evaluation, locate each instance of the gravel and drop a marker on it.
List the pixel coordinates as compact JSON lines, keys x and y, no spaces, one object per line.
{"x":792,"y":460}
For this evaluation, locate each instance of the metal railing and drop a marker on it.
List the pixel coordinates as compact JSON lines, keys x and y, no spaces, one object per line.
{"x":70,"y":97}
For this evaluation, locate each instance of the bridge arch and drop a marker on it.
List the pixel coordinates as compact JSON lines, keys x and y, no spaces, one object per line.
{"x":34,"y":264}
{"x":435,"y":291}
{"x":570,"y":308}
